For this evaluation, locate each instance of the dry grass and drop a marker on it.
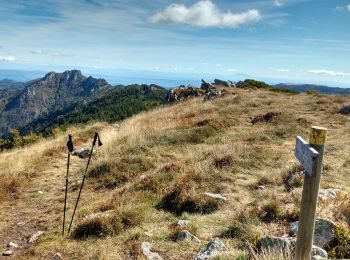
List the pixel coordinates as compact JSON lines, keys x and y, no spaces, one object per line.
{"x":180,"y":152}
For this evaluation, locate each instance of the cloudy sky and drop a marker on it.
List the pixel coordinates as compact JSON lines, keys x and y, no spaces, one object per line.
{"x":286,"y":40}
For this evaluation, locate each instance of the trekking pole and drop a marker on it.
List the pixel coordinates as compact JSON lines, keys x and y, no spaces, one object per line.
{"x":96,"y":138}
{"x":70,"y":149}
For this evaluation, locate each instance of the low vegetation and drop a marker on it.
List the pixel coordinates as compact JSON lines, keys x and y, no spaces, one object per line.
{"x":157,"y":168}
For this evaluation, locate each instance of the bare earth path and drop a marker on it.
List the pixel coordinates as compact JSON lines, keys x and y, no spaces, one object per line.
{"x":39,"y":206}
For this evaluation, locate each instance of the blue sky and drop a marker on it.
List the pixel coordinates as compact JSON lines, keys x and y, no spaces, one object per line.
{"x":276,"y":40}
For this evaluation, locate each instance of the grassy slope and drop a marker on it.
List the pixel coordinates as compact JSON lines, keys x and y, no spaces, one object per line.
{"x":178,"y":146}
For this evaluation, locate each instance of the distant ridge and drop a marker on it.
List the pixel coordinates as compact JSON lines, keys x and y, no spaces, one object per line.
{"x":311,"y":87}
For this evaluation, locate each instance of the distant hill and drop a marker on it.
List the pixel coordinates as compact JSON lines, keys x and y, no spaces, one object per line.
{"x":9,"y":83}
{"x":310,"y":87}
{"x":45,"y":95}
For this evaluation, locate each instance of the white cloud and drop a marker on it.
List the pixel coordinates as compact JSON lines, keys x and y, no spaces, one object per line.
{"x":231,"y":70}
{"x":7,"y":58}
{"x":339,"y":8}
{"x":204,"y":14}
{"x":277,"y":3}
{"x":329,"y":73}
{"x":283,"y":70}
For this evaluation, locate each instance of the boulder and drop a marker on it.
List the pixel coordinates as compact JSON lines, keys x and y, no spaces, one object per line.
{"x":35,"y":236}
{"x":287,"y":246}
{"x":186,"y":235}
{"x":82,"y":153}
{"x":206,"y":85}
{"x":228,"y":84}
{"x":211,"y":250}
{"x":215,"y":196}
{"x":146,"y":250}
{"x":323,"y":235}
{"x":328,"y":194}
{"x":182,"y":223}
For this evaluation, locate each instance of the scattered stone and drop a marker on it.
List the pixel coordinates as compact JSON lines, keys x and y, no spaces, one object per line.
{"x":82,"y":153}
{"x":21,"y":223}
{"x":215,"y":196}
{"x":98,"y":214}
{"x":323,"y":235}
{"x":345,"y":110}
{"x":146,"y":250}
{"x":12,"y":245}
{"x":149,"y":234}
{"x":186,"y":235}
{"x":268,"y":117}
{"x":328,"y":194}
{"x":143,"y":177}
{"x":40,"y":192}
{"x":35,"y":237}
{"x":7,"y":253}
{"x":57,"y":256}
{"x":212,"y":249}
{"x":182,"y":223}
{"x":117,"y":126}
{"x":286,"y":246}
{"x":261,"y":187}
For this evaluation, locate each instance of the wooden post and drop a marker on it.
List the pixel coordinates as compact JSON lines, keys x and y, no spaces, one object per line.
{"x":318,"y":136}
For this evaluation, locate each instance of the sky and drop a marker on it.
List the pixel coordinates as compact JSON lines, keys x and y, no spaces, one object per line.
{"x":276,"y":40}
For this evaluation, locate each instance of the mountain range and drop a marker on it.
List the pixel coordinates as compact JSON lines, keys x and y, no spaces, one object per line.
{"x":317,"y":88}
{"x":60,"y":99}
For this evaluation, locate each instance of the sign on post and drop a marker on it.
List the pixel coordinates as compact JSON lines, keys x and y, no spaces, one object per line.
{"x":307,"y":156}
{"x":311,"y":156}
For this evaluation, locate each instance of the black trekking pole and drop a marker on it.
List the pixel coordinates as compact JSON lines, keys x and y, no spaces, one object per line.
{"x":70,"y":149}
{"x":96,"y":138}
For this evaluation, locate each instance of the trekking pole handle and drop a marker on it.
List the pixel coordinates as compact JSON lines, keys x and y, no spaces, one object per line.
{"x":97,"y":138}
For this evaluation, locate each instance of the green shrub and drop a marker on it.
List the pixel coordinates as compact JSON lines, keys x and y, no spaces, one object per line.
{"x":179,"y":200}
{"x":271,"y":211}
{"x":99,"y":226}
{"x":244,"y":229}
{"x":340,"y":246}
{"x":108,"y":224}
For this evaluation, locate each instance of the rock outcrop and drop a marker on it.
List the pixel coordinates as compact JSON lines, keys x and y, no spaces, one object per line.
{"x":206,"y":85}
{"x":181,"y":93}
{"x":229,"y":83}
{"x":328,"y":194}
{"x":286,"y":246}
{"x":324,"y":232}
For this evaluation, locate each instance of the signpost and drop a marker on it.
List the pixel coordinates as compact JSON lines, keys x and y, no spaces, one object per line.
{"x":307,"y":156}
{"x":311,"y":157}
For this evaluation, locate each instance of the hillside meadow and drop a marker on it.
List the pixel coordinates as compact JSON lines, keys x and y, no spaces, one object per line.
{"x":156,"y":168}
